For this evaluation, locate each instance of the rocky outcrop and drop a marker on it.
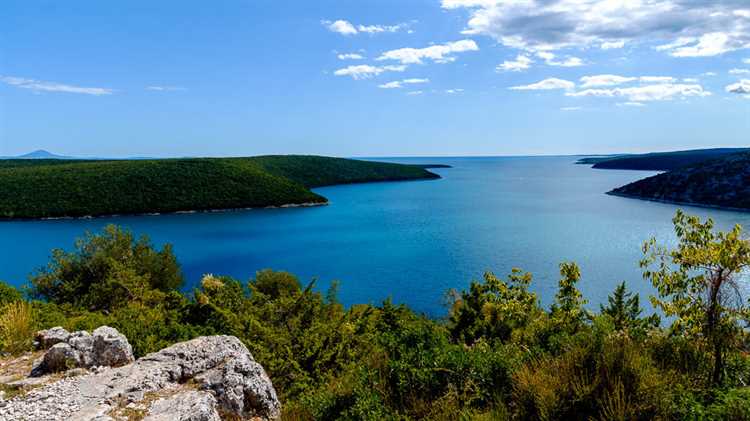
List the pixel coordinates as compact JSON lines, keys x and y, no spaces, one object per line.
{"x":194,"y":380}
{"x":105,"y":347}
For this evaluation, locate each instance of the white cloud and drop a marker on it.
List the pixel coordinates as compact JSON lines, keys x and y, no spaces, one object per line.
{"x":440,"y":53}
{"x":746,"y":60}
{"x":604,"y":80}
{"x":690,"y":80}
{"x":611,"y":45}
{"x":400,"y":83}
{"x":365,"y":71}
{"x":682,"y":28}
{"x":165,"y":88}
{"x":454,"y":91}
{"x":742,"y":87}
{"x":342,"y":27}
{"x":546,"y":84}
{"x":571,"y":108}
{"x":350,"y":56}
{"x":345,"y":27}
{"x":709,"y":74}
{"x":657,"y":79}
{"x":631,"y":104}
{"x":522,"y":62}
{"x":550,"y":60}
{"x":414,"y":93}
{"x":42,"y":86}
{"x":739,"y":71}
{"x":646,"y":93}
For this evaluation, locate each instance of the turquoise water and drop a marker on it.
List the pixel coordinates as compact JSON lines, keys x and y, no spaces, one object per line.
{"x":411,"y":241}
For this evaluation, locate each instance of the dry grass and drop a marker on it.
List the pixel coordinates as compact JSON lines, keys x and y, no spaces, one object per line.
{"x":16,"y":327}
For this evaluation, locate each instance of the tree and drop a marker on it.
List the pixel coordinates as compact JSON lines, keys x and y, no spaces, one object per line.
{"x":107,"y":270}
{"x":494,"y":308}
{"x":697,"y":283}
{"x":567,"y":311}
{"x":624,"y":309}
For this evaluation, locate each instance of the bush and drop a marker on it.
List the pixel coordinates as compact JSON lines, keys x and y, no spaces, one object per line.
{"x":8,"y":294}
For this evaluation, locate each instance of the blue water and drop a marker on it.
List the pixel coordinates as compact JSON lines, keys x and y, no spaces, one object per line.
{"x":411,"y":241}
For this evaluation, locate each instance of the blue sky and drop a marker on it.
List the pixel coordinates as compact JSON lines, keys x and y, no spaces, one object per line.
{"x":373,"y":78}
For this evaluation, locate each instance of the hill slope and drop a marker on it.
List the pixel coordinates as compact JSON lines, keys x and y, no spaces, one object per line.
{"x":661,"y":161}
{"x":723,"y":182}
{"x":50,"y":188}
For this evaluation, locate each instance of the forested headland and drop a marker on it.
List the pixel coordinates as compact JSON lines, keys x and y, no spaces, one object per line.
{"x":51,"y":188}
{"x":497,"y":354}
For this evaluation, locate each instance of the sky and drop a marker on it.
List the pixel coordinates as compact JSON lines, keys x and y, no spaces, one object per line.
{"x":373,"y":78}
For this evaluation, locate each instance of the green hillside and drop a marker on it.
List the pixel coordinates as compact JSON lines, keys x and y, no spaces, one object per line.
{"x":659,"y":161}
{"x":56,"y":188}
{"x":722,"y":182}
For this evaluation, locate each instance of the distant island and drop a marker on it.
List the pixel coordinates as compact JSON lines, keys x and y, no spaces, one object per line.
{"x":57,"y":188}
{"x":658,"y":161}
{"x":723,"y":183}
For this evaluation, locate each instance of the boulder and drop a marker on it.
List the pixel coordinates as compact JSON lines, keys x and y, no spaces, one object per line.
{"x":106,"y":347}
{"x":185,"y":406}
{"x":111,"y":348}
{"x":46,"y":338}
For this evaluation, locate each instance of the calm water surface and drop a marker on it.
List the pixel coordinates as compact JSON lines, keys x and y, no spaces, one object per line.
{"x":411,"y":241}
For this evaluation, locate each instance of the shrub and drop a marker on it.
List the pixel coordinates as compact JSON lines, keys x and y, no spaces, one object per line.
{"x":8,"y":294}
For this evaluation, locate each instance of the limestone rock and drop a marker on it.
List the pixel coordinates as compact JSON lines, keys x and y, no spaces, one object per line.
{"x":185,"y":406}
{"x":46,"y":338}
{"x":111,"y":348}
{"x":61,"y":357}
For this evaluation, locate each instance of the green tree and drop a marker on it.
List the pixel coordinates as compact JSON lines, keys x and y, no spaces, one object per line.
{"x":567,"y":311}
{"x":107,"y":270}
{"x":494,"y":308}
{"x":8,"y":294}
{"x":624,"y":309}
{"x":698,"y":284}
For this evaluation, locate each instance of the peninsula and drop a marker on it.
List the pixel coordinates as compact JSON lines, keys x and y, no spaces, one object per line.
{"x":53,"y":188}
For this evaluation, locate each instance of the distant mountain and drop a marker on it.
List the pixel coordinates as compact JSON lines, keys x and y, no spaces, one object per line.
{"x":660,"y":161}
{"x":38,"y":154}
{"x":723,"y":182}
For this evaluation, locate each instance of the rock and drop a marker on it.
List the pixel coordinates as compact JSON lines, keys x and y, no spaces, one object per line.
{"x":46,"y":338}
{"x":230,"y":382}
{"x":60,"y":357}
{"x":106,"y":347}
{"x":111,"y":348}
{"x":184,"y":406}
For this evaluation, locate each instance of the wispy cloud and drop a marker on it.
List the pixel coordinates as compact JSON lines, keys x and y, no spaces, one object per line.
{"x":522,"y":62}
{"x":350,"y":56}
{"x":165,"y":88}
{"x":551,"y":59}
{"x":646,"y":93}
{"x":739,"y":71}
{"x":439,"y":53}
{"x":344,"y":27}
{"x":365,"y":71}
{"x":571,"y":108}
{"x":454,"y":91}
{"x":396,"y":84}
{"x":545,"y":85}
{"x":42,"y":86}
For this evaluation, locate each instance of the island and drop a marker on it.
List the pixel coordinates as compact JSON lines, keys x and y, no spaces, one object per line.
{"x":722,"y":183}
{"x":55,"y":188}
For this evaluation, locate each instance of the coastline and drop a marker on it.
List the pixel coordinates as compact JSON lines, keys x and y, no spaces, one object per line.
{"x":676,"y":202}
{"x":186,"y":211}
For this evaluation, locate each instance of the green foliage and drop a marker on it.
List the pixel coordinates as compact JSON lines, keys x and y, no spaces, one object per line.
{"x":493,"y":309}
{"x":698,"y":284}
{"x":51,"y":188}
{"x":108,"y":270}
{"x":567,"y":311}
{"x":625,"y":311}
{"x":8,"y":294}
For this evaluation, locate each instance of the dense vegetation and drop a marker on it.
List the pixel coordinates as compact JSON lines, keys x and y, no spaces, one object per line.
{"x":497,"y":355}
{"x":659,"y":161}
{"x":62,"y":188}
{"x":722,"y":182}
